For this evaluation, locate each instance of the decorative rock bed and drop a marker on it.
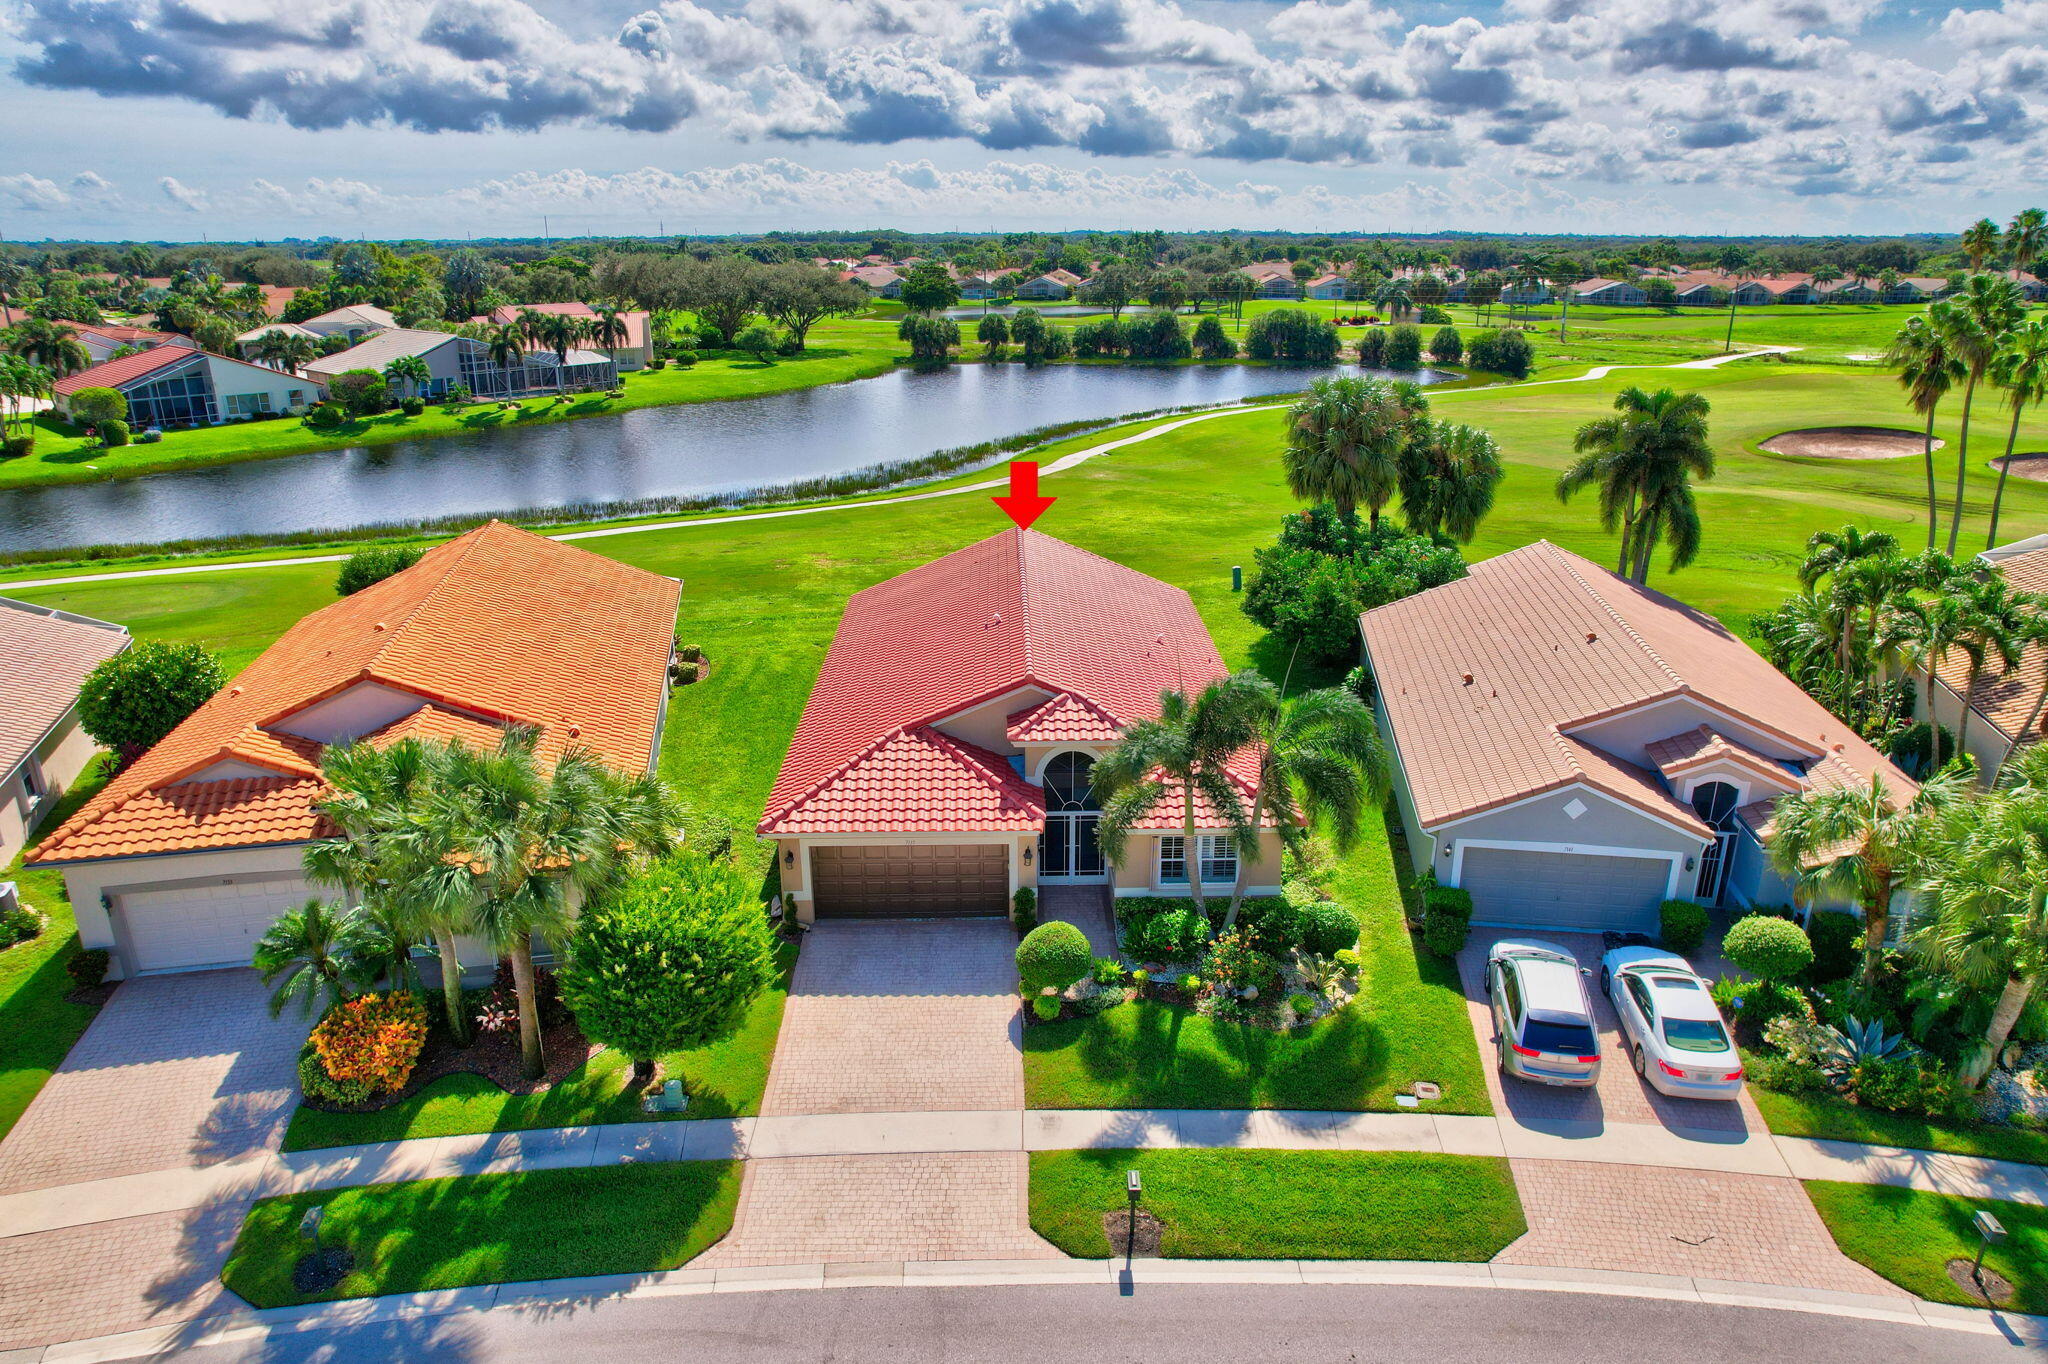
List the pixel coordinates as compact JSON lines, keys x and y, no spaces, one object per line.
{"x":1850,"y":442}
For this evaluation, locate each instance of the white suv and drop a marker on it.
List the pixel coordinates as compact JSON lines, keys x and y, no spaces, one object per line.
{"x":1542,"y":1018}
{"x":1670,"y":1024}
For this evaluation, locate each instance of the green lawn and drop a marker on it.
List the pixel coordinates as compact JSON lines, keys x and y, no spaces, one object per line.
{"x":479,"y":1229}
{"x":37,"y":1024}
{"x":1408,"y":1023}
{"x":1832,"y":1119}
{"x":1324,"y":1205}
{"x":852,"y":348}
{"x":1909,"y":1237}
{"x":724,"y":1080}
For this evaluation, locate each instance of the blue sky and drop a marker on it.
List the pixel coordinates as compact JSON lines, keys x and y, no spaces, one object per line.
{"x":177,"y":118}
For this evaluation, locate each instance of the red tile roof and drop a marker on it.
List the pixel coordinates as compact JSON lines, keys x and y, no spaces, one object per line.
{"x":126,"y":370}
{"x":495,"y":627}
{"x":915,"y":781}
{"x":1015,"y":611}
{"x":1065,"y":719}
{"x":123,"y":335}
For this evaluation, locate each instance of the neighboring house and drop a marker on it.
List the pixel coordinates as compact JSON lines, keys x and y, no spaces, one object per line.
{"x":1614,"y":293}
{"x":943,"y":758}
{"x":1053,"y":284}
{"x":1917,"y":289}
{"x":1276,"y":286}
{"x":1574,"y":749}
{"x":460,"y":361}
{"x":1850,"y":291}
{"x":355,"y":321}
{"x":175,"y":386}
{"x":633,"y":355}
{"x":979,"y":287}
{"x":44,"y":656}
{"x":101,"y":340}
{"x":2006,"y":705}
{"x":1328,"y":287}
{"x":248,"y":340}
{"x":187,"y":856}
{"x":1525,"y":295}
{"x":880,"y":280}
{"x":2031,"y":289}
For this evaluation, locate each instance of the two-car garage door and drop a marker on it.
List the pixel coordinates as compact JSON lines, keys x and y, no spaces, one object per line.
{"x":1576,"y":891}
{"x":204,"y":925}
{"x":910,"y":880}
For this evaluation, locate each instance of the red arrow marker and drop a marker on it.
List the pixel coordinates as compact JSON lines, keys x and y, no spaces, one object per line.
{"x":1023,"y":504}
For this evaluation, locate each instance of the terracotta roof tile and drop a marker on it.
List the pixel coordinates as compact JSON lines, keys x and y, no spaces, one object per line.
{"x":497,"y":622}
{"x":44,"y":656}
{"x":917,"y":781}
{"x":126,"y":370}
{"x":1064,"y":719}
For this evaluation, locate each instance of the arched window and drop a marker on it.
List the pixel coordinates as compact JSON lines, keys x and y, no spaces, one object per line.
{"x":1714,"y":802}
{"x":1067,"y":785}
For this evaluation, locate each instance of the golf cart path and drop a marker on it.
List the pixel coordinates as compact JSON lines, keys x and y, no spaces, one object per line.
{"x":1064,"y":462}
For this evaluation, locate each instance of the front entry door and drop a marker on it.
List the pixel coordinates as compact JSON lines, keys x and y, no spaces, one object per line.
{"x":1067,"y":852}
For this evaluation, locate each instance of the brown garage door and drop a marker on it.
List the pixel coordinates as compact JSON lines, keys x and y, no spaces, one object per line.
{"x":913,"y":879}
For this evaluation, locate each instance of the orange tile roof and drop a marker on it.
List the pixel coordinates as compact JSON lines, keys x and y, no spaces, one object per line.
{"x":1487,"y":679}
{"x":44,"y":656}
{"x":126,"y":370}
{"x":498,"y":623}
{"x":916,"y":781}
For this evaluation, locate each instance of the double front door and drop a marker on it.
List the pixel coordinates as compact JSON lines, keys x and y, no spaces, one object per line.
{"x":1067,"y":851}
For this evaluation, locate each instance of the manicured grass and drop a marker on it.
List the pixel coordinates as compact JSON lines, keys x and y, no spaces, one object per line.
{"x":1323,"y":1205}
{"x":1408,"y":1023}
{"x":37,"y":1024}
{"x":480,"y":1229}
{"x":1831,"y":1119}
{"x":1909,"y":1237}
{"x":853,"y":348}
{"x":724,"y":1080}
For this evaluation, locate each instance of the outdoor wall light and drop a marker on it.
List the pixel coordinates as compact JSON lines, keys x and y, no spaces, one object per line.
{"x":1688,"y":864}
{"x":789,"y":857}
{"x":1027,"y":857}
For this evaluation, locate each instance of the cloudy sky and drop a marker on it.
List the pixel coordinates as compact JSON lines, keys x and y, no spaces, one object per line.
{"x":177,"y":118}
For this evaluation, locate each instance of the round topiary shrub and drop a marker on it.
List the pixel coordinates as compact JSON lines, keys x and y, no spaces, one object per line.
{"x":1045,"y":1008}
{"x":1054,"y":954}
{"x":1768,"y":948}
{"x":113,"y":432}
{"x":1327,"y":928}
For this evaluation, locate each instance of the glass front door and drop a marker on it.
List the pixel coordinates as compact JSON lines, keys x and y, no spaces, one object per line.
{"x":1067,"y":851}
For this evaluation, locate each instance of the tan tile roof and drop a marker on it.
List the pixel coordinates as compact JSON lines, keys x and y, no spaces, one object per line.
{"x":1484,"y":679}
{"x":43,"y":657}
{"x":498,"y":623}
{"x":2006,"y":696}
{"x":1703,"y":744}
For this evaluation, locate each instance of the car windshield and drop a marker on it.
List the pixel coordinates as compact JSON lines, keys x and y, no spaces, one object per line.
{"x":1696,"y":1034}
{"x":1557,"y":1035}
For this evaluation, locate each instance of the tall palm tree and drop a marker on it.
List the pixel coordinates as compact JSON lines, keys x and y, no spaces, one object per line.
{"x":1927,"y":369}
{"x":1985,"y":872}
{"x":1928,"y":632}
{"x":506,"y":349}
{"x":2021,"y":369}
{"x":1866,"y":573}
{"x":53,"y":345}
{"x":1447,"y":478}
{"x":1997,"y":618}
{"x":1823,"y":276}
{"x":388,"y":852}
{"x":1980,"y":239}
{"x":1642,"y":460}
{"x":1887,"y":280}
{"x":1396,"y":295}
{"x":1320,"y":762}
{"x":1739,"y":264}
{"x":1859,"y":842}
{"x":533,"y":843}
{"x":607,"y":331}
{"x":411,"y":372}
{"x":1972,"y":322}
{"x":2026,"y":239}
{"x":1173,"y":758}
{"x":322,"y":951}
{"x":558,"y":333}
{"x":1344,"y":442}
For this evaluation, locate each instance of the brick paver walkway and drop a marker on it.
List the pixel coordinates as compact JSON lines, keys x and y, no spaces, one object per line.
{"x":110,"y":1277}
{"x":1649,"y":1220}
{"x":1085,"y":907}
{"x":176,"y":1071}
{"x":827,"y":1209}
{"x":900,"y":1017}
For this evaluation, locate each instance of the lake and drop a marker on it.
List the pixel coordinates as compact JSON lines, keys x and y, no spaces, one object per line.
{"x":679,"y":451}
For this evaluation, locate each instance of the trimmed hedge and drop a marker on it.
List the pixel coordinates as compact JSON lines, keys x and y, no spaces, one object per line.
{"x":1682,"y":926}
{"x":1446,"y":919}
{"x":1328,"y":928}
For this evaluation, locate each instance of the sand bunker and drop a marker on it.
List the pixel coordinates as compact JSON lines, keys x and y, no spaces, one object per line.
{"x":1850,"y":442}
{"x":2033,"y":464}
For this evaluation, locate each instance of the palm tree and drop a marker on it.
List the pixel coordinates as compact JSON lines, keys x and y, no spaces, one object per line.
{"x":1985,"y":871}
{"x":1980,"y":239}
{"x":1866,"y":572}
{"x":2027,"y":238}
{"x":410,"y":371}
{"x":558,"y":333}
{"x":1823,"y":276}
{"x":321,"y":951}
{"x":532,"y":844}
{"x":1996,"y":618}
{"x":53,"y":345}
{"x":506,"y":349}
{"x":1320,"y":762}
{"x":1344,"y":442}
{"x":607,"y":330}
{"x":2021,"y":369}
{"x":1739,"y":265}
{"x":1447,"y":479}
{"x":1887,"y":280}
{"x":1643,"y":460}
{"x":1174,"y":757}
{"x":1927,"y":369}
{"x":1396,"y":295}
{"x":387,"y":852}
{"x":1859,"y":842}
{"x":1972,"y":323}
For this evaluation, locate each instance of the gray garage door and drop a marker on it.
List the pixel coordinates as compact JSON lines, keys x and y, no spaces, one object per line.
{"x":204,"y":925}
{"x":910,"y":880}
{"x":1565,"y":890}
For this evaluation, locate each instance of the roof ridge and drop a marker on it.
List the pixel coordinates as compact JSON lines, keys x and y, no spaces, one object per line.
{"x":1565,"y":558}
{"x":454,"y":561}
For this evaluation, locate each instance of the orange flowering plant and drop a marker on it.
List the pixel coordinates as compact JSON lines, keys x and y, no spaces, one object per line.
{"x":372,"y":1040}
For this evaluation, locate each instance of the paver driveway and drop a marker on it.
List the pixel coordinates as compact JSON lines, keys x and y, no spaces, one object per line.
{"x":176,"y":1072}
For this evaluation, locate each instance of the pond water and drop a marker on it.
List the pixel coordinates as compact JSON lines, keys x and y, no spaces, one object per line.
{"x":693,"y":450}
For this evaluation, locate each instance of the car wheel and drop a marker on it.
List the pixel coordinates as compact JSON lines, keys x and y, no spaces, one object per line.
{"x":1642,"y":1066}
{"x":1486,"y":983}
{"x":1606,"y":983}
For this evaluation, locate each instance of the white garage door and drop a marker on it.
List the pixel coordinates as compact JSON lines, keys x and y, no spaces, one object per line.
{"x":192,"y":927}
{"x":1575,"y":891}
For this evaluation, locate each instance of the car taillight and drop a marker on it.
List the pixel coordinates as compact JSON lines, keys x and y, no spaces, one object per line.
{"x":1673,"y":1071}
{"x":1735,"y":1074}
{"x":1524,"y":1051}
{"x":1586,"y":1060}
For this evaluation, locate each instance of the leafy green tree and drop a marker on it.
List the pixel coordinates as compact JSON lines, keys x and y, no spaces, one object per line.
{"x":928,"y":288}
{"x":799,"y":295}
{"x":361,"y":392}
{"x":323,"y":952}
{"x":1161,"y":763}
{"x":723,"y":292}
{"x":757,"y":339}
{"x":409,"y":373}
{"x":373,"y":565}
{"x":1293,"y":336}
{"x":1769,"y":948}
{"x":931,"y":339}
{"x":464,"y":279}
{"x":1309,"y":587}
{"x":1446,"y":347}
{"x":130,"y":701}
{"x":670,"y":961}
{"x":1404,"y":347}
{"x":1642,"y":462}
{"x":1344,"y":442}
{"x":91,"y":406}
{"x":994,"y":334}
{"x":2020,"y":369}
{"x":1114,"y":286}
{"x":1447,"y":475}
{"x":1211,"y":342}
